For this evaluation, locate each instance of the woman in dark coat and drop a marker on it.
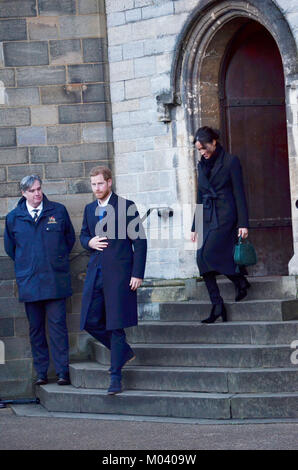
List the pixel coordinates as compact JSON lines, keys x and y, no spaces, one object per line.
{"x":225,"y":215}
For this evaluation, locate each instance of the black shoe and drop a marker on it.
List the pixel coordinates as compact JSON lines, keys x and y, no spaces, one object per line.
{"x":241,"y":289}
{"x":217,"y":311}
{"x":63,"y":380}
{"x":115,"y":386}
{"x":41,"y":381}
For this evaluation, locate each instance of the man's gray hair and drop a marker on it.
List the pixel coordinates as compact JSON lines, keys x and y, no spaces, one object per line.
{"x":28,"y":181}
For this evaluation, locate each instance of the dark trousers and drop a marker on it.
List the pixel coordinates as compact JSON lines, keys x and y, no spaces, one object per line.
{"x":55,"y":311}
{"x":213,"y":289}
{"x":114,"y":340}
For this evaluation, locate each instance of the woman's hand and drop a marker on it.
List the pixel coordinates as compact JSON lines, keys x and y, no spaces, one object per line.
{"x":193,"y":236}
{"x":243,"y":232}
{"x":135,"y":283}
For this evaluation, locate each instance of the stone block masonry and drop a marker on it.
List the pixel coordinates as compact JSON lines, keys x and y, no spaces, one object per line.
{"x":55,"y":121}
{"x":55,"y":75}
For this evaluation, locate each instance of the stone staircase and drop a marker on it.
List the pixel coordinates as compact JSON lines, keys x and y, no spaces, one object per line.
{"x":239,"y":370}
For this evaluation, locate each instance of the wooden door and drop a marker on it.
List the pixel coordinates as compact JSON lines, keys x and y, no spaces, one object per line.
{"x":254,"y":128}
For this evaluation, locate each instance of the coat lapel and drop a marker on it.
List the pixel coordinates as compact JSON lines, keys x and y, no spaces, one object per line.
{"x":109,"y":220}
{"x":204,"y":183}
{"x":93,"y":219}
{"x":218,"y":165}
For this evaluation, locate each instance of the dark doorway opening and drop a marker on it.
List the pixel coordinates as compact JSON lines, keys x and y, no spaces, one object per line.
{"x":253,"y":118}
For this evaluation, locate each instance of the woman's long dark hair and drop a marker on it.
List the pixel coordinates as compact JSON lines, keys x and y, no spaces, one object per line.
{"x":206,"y":135}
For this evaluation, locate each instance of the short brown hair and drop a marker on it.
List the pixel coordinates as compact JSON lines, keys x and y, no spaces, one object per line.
{"x":101,"y":170}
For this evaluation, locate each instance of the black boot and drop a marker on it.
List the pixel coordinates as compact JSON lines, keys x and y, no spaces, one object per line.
{"x":241,"y":289}
{"x":218,"y":310}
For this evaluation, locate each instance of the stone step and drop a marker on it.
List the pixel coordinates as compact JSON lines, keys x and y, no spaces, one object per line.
{"x":161,"y":293}
{"x":169,"y":404}
{"x":223,"y":333}
{"x":188,"y":379}
{"x":205,"y":355}
{"x":269,"y":287}
{"x":252,"y":310}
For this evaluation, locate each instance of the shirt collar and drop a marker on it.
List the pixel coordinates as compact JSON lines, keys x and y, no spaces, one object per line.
{"x":106,"y":202}
{"x":31,"y":209}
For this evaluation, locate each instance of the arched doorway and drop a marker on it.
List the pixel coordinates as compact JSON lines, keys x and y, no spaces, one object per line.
{"x":196,"y":77}
{"x":253,"y":125}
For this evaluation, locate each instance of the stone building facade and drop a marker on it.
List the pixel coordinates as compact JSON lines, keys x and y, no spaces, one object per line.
{"x":55,"y":121}
{"x":123,"y":83}
{"x":164,"y":59}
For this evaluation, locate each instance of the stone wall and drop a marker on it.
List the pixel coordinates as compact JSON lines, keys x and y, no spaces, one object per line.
{"x":55,"y":121}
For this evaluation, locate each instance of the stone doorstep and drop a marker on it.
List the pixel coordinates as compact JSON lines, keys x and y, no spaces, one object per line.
{"x":223,"y":333}
{"x":170,"y":404}
{"x":205,"y":355}
{"x":40,"y":411}
{"x":255,"y":310}
{"x":262,"y":288}
{"x":188,"y":379}
{"x":269,"y":287}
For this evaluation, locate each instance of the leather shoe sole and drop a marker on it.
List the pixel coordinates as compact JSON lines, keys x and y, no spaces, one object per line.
{"x":63,"y":381}
{"x":41,"y":381}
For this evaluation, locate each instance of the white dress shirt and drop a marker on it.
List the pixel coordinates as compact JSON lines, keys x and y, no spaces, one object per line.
{"x":106,"y":202}
{"x":31,"y":209}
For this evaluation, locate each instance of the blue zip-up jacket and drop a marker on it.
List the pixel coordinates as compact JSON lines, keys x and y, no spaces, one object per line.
{"x":40,"y":250}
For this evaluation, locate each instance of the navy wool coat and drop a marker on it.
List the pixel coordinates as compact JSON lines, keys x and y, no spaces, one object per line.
{"x":125,"y":257}
{"x":224,"y":210}
{"x":40,"y":250}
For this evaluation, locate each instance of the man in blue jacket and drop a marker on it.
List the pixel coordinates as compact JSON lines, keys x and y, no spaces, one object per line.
{"x":39,"y":237}
{"x":113,"y":233}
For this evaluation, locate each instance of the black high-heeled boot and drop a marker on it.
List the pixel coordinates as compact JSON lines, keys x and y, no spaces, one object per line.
{"x":241,"y":289}
{"x":218,"y":310}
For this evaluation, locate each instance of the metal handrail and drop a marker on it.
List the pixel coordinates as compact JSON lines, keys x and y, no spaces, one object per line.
{"x":149,"y":211}
{"x":147,"y":214}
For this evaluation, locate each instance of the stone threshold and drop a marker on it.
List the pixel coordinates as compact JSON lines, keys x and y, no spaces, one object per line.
{"x":38,"y":411}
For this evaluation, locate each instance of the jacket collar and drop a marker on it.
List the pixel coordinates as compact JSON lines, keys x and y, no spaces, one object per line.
{"x":219,"y":161}
{"x":22,"y":211}
{"x":217,"y":166}
{"x":113,"y":201}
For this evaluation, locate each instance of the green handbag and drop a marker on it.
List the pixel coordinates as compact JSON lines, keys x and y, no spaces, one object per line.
{"x":244,"y":254}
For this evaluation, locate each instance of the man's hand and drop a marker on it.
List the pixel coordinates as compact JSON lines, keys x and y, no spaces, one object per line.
{"x":243,"y":232}
{"x":98,"y":243}
{"x":193,"y":236}
{"x":135,"y":283}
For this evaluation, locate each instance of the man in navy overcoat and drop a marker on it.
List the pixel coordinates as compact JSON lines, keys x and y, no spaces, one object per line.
{"x":39,"y":237}
{"x":113,"y":233}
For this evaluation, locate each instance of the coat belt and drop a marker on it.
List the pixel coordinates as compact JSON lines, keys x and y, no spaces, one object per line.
{"x":210,"y":215}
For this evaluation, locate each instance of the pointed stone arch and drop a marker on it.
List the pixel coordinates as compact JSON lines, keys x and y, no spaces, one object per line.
{"x":196,"y":70}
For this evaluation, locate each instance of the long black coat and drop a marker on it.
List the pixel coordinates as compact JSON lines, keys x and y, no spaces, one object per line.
{"x":224,"y":210}
{"x":125,"y":257}
{"x":40,"y":250}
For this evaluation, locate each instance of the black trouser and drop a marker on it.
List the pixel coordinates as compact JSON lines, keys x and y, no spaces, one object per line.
{"x":114,"y":340}
{"x":55,"y":311}
{"x":213,"y":289}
